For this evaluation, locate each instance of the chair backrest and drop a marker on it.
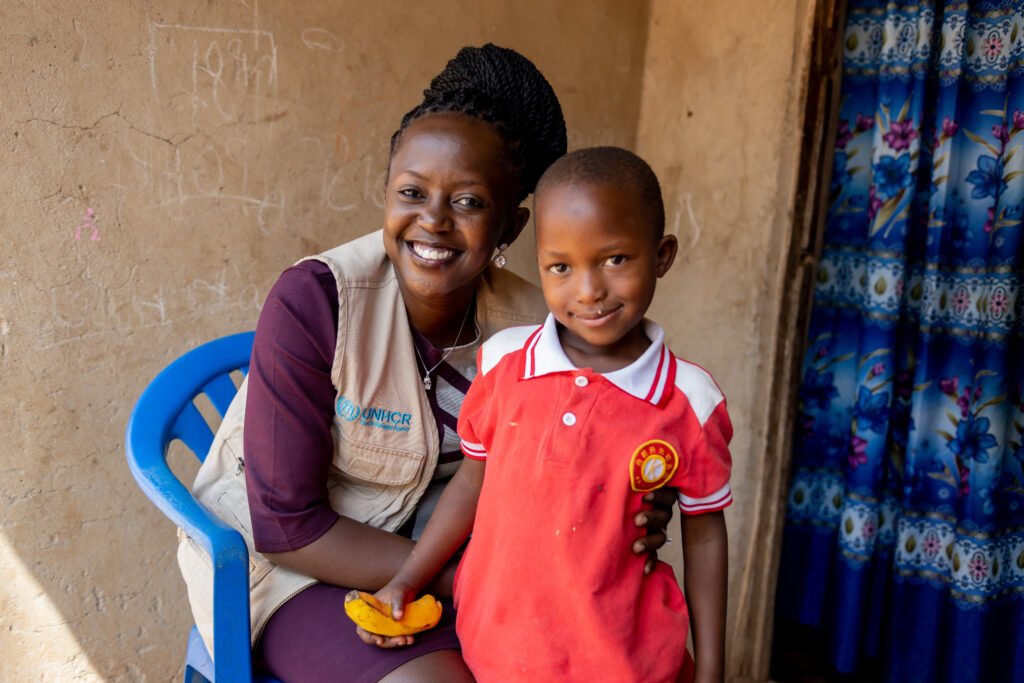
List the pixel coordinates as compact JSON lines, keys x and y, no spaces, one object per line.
{"x":165,"y":412}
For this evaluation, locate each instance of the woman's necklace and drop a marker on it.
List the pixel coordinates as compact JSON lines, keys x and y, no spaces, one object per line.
{"x":427,"y":383}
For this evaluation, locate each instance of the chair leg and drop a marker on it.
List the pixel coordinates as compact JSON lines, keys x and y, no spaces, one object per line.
{"x":198,"y":664}
{"x":193,"y":676}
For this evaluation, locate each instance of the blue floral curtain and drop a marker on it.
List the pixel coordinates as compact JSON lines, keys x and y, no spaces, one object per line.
{"x":904,"y":534}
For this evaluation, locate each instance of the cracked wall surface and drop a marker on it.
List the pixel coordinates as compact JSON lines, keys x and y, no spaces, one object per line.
{"x":207,"y":146}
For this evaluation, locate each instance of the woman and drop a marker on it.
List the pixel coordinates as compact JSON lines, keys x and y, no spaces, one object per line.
{"x":361,"y":360}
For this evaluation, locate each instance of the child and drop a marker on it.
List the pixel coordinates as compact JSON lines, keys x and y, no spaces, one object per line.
{"x":566,"y":426}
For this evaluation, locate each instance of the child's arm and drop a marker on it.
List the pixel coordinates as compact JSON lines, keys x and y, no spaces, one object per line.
{"x":705,"y":578}
{"x":448,"y":528}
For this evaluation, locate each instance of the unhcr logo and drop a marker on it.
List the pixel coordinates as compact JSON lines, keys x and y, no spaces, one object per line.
{"x":347,"y":409}
{"x":379,"y":418}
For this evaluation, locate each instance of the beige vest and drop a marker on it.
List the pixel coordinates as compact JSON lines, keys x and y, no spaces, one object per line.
{"x":385,"y":438}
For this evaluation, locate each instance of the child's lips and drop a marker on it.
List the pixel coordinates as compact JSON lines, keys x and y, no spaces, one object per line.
{"x":597,"y":318}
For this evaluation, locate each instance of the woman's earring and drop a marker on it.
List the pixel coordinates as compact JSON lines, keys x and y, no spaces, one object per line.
{"x":499,"y":259}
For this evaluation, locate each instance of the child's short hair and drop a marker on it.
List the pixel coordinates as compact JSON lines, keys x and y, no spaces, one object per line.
{"x":609,"y":166}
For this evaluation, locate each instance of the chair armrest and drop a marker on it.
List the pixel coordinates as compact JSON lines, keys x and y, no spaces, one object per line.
{"x":225,"y":546}
{"x":154,"y":422}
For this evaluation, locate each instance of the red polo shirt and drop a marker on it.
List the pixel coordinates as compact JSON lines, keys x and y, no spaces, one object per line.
{"x":548,"y":588}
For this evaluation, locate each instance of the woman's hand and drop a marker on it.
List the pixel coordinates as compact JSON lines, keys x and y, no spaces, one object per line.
{"x":655,"y":519}
{"x":396,"y":595}
{"x":385,"y":642}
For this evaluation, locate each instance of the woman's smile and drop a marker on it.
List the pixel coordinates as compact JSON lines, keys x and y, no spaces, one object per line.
{"x":433,"y":256}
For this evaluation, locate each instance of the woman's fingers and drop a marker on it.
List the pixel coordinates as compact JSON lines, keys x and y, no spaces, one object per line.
{"x":365,"y":635}
{"x":385,"y":642}
{"x":650,"y":562}
{"x":650,"y":543}
{"x":663,"y":499}
{"x":653,"y":519}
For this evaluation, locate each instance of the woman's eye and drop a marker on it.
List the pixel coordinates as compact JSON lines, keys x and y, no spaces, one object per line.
{"x":469,"y":203}
{"x":410,"y":193}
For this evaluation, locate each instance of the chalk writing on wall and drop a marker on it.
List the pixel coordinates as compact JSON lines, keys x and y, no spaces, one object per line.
{"x":685,"y":203}
{"x":89,"y":222}
{"x":322,"y":39}
{"x":227,"y":83}
{"x":232,"y":75}
{"x":150,"y":306}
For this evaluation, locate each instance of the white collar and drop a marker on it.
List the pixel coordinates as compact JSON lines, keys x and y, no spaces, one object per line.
{"x":646,"y":378}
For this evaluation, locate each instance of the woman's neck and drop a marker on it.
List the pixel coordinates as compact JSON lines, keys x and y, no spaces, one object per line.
{"x":444,"y":323}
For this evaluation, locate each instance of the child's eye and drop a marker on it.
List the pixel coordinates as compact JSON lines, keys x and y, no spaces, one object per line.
{"x":558,"y":268}
{"x":469,"y":203}
{"x":616,"y":260}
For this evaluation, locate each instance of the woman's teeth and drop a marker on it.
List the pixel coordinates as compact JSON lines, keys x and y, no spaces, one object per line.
{"x":432,"y":253}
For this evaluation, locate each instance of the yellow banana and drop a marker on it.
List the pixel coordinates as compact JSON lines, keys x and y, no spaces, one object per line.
{"x":368,"y":612}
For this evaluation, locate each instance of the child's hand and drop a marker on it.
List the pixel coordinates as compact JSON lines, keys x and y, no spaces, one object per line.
{"x":396,"y":595}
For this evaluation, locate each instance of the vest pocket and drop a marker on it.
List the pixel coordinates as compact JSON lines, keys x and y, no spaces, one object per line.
{"x":376,"y":465}
{"x":197,"y":570}
{"x":362,"y":489}
{"x":233,"y":507}
{"x":373,"y":483}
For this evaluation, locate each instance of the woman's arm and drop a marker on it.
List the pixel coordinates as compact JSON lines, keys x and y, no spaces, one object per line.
{"x":705,"y":579}
{"x":357,"y":555}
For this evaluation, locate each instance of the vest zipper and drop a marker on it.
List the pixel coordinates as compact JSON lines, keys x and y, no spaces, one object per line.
{"x":279,"y":605}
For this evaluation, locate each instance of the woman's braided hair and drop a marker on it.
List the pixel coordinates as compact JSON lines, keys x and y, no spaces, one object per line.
{"x":503,"y":88}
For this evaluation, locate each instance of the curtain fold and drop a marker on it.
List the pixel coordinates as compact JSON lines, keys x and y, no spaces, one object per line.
{"x":904,"y":535}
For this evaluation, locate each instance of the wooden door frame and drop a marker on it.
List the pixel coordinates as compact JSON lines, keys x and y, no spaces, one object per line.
{"x":750,"y":637}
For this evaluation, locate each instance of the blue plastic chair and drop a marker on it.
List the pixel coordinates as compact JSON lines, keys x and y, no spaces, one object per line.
{"x":165,"y":412}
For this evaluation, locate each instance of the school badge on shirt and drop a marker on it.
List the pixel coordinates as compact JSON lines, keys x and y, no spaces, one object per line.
{"x":652,"y":465}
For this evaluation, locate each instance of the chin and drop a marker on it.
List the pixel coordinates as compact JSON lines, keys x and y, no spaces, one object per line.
{"x":596,"y":340}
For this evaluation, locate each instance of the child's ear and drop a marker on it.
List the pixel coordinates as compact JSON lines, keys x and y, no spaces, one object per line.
{"x":667,"y":248}
{"x":519,"y":220}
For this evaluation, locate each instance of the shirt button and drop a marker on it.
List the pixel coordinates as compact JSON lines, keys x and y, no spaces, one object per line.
{"x":568,"y":419}
{"x":581,"y":381}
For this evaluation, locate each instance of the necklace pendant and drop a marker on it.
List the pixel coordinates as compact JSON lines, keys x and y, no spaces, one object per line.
{"x":427,"y":384}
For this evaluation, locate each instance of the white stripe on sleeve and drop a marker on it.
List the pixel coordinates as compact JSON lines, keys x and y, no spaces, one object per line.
{"x":716,"y":501}
{"x":474,"y":450}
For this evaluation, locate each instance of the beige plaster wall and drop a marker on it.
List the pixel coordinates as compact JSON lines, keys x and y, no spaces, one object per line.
{"x":720,"y":122}
{"x":214,"y":143}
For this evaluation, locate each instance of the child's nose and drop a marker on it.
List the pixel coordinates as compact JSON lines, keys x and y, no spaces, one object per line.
{"x":591,"y":287}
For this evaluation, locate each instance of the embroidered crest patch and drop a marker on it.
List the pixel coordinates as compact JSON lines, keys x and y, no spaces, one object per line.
{"x":652,"y":465}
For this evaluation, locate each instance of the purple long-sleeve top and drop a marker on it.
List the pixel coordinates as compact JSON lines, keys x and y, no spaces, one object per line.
{"x":287,"y":438}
